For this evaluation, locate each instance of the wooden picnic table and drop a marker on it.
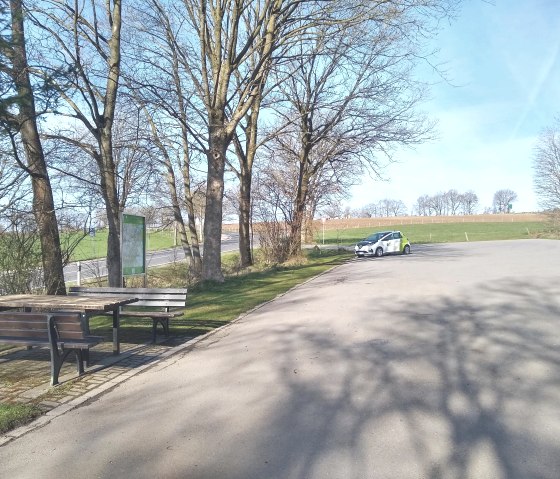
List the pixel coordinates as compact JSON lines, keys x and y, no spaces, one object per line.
{"x":88,"y":305}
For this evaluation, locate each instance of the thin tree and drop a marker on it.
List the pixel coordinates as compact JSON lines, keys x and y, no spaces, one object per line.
{"x":85,"y":38}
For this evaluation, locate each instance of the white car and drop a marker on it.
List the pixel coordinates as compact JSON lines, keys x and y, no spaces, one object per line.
{"x":381,"y":243}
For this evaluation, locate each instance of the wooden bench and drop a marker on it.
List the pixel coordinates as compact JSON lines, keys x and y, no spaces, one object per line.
{"x":158,"y":304}
{"x":62,"y":333}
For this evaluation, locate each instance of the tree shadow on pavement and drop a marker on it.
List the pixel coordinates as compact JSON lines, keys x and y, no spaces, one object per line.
{"x":462,"y":389}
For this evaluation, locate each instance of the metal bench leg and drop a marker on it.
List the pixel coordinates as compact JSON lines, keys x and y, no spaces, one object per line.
{"x":57,"y":358}
{"x":80,"y":358}
{"x":85,"y":355}
{"x":164,"y":324}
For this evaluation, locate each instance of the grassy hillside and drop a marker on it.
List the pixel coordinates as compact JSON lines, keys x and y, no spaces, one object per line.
{"x":441,"y":232}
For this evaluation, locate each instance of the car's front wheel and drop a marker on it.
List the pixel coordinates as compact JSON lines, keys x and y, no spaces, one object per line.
{"x":406,"y":249}
{"x":379,"y":252}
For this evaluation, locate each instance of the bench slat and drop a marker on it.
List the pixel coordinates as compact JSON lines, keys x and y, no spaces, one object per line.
{"x":26,"y":333}
{"x":127,"y":291}
{"x":24,"y":341}
{"x":152,"y":314}
{"x":11,"y":324}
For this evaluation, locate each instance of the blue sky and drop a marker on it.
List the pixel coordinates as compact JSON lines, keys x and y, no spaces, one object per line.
{"x":502,"y":62}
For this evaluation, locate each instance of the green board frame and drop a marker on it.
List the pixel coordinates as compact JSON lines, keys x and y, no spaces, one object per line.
{"x":133,"y":244}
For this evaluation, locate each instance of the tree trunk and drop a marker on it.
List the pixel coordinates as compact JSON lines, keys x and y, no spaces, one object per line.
{"x":296,"y":227}
{"x":112,"y":210}
{"x":246,"y":174}
{"x":212,"y":261}
{"x":177,"y":216}
{"x":43,"y":202}
{"x":245,"y":252}
{"x":194,"y":240}
{"x":106,"y":163}
{"x":300,"y":200}
{"x":196,"y":262}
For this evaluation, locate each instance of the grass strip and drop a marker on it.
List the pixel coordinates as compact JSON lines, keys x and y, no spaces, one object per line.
{"x":91,"y":247}
{"x":15,"y":415}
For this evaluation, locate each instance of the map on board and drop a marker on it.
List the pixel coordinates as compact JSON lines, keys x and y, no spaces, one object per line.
{"x":133,"y":241}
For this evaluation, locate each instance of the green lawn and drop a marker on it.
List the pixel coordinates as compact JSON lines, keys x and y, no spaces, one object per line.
{"x":96,"y":246}
{"x":442,"y":232}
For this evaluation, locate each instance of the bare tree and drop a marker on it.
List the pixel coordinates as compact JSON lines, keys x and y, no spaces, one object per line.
{"x":438,"y":204}
{"x":84,"y":37}
{"x":18,"y":119}
{"x":354,"y":120}
{"x":163,"y":86}
{"x":502,"y":200}
{"x":422,"y":206}
{"x":370,"y":210}
{"x":546,"y":169}
{"x":453,"y":200}
{"x":469,"y":203}
{"x":223,"y":36}
{"x":389,"y":207}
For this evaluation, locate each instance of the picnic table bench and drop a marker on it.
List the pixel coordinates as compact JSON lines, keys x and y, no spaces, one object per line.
{"x":158,"y":304}
{"x":62,"y":333}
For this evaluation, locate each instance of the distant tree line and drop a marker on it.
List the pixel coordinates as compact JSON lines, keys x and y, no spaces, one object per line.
{"x":447,"y":203}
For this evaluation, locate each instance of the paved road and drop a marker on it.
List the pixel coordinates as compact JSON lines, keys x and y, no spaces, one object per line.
{"x":442,"y":364}
{"x":97,"y":267}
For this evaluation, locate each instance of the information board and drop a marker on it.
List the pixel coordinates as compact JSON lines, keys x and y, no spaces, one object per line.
{"x":133,"y":244}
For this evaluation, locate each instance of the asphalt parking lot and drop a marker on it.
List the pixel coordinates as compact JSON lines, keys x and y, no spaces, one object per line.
{"x":441,"y":364}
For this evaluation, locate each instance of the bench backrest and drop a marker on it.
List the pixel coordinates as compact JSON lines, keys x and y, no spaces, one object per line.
{"x":24,"y":325}
{"x":69,"y":326}
{"x":156,"y":297}
{"x":35,"y":326}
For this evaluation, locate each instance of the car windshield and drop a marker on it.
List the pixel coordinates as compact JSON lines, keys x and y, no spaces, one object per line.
{"x":375,"y":237}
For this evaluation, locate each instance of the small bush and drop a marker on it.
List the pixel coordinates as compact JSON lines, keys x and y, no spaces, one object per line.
{"x":20,"y":257}
{"x":275,"y":242}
